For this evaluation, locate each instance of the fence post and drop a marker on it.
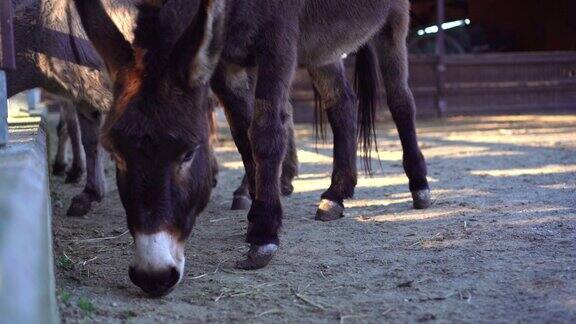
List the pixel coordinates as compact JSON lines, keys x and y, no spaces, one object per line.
{"x":33,"y":99}
{"x":7,"y":61}
{"x":440,"y":58}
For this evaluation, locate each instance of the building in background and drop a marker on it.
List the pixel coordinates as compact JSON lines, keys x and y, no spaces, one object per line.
{"x":501,"y":26}
{"x":502,"y":56}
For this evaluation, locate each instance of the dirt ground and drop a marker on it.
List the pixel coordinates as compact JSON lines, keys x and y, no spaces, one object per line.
{"x":498,"y":245}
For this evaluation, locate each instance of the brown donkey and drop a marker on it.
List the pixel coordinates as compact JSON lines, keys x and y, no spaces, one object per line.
{"x":248,"y":51}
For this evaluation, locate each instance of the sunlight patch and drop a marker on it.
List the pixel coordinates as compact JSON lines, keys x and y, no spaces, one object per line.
{"x":233,"y":165}
{"x":538,"y":219}
{"x":312,"y":157}
{"x":414,"y":215}
{"x":308,"y":185}
{"x":548,"y":169}
{"x":560,"y":186}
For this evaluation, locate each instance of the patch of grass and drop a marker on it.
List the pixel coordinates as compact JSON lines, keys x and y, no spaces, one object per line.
{"x":65,"y":296}
{"x":64,"y":262}
{"x":85,"y":305}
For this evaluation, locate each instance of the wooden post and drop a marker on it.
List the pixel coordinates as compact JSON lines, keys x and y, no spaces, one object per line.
{"x":440,"y":58}
{"x":7,"y":61}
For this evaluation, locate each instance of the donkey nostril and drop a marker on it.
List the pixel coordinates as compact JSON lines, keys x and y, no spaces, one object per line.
{"x":157,"y":283}
{"x":133,"y":276}
{"x":174,"y":276}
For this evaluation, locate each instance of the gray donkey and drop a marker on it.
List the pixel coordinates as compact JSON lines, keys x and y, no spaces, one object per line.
{"x":53,"y":53}
{"x":248,"y":51}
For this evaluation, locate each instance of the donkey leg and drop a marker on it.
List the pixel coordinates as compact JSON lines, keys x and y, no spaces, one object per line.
{"x":234,"y":87}
{"x":95,"y":179}
{"x":59,"y":166}
{"x":394,"y":63}
{"x":215,"y":168}
{"x":212,"y":104}
{"x":75,"y":173}
{"x":242,"y":199}
{"x":268,"y":138}
{"x":290,"y":163}
{"x":339,"y":99}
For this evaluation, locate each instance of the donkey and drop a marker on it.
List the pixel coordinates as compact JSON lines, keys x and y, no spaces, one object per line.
{"x":247,"y":50}
{"x":52,"y":53}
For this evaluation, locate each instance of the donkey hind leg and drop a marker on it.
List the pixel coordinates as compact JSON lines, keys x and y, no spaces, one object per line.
{"x":95,"y":187}
{"x":75,"y":173}
{"x":339,"y":101}
{"x":60,"y":164}
{"x":242,"y":200}
{"x":391,"y":44}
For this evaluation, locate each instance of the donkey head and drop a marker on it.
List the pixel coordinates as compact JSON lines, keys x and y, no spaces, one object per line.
{"x":157,"y":130}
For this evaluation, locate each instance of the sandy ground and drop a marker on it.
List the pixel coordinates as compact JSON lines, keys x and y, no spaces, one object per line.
{"x":498,"y":245}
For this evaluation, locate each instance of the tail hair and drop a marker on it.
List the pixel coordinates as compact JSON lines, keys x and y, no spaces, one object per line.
{"x":319,"y":119}
{"x":367,"y":84}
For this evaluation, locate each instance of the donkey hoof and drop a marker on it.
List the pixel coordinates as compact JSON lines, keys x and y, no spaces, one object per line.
{"x":257,"y":257}
{"x":241,"y":203}
{"x":329,"y":211}
{"x":287,"y":189}
{"x":421,"y":199}
{"x":80,"y":206}
{"x":58,"y":169}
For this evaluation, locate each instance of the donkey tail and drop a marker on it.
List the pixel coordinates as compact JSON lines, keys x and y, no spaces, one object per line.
{"x":367,"y":84}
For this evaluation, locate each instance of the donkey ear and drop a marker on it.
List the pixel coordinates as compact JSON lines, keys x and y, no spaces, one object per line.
{"x":115,"y":50}
{"x":200,"y":46}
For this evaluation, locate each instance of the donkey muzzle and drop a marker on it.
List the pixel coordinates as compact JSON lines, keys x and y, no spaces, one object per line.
{"x":159,"y":263}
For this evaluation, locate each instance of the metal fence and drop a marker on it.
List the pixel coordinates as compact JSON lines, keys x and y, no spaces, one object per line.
{"x":478,"y":84}
{"x":498,"y":83}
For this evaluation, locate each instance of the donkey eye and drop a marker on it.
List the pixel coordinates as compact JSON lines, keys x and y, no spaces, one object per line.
{"x":189,"y":156}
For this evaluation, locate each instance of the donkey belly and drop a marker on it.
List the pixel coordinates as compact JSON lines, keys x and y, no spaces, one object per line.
{"x":330,"y":28}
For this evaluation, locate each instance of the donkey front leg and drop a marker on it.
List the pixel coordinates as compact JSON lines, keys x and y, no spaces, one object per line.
{"x":339,"y":101}
{"x":95,"y":179}
{"x":265,"y":215}
{"x":268,"y":138}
